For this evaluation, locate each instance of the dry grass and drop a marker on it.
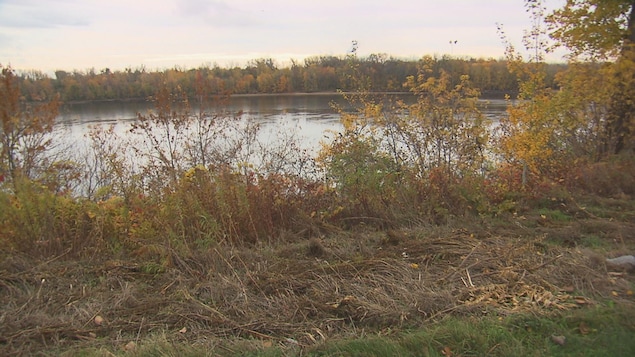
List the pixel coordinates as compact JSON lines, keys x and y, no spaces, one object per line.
{"x":304,"y":291}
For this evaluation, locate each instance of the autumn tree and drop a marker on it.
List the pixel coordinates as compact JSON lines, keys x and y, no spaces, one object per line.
{"x":528,"y":135}
{"x":361,"y":172}
{"x":392,"y":153}
{"x":444,"y":129}
{"x":320,"y":73}
{"x":604,"y":31}
{"x":24,"y":132}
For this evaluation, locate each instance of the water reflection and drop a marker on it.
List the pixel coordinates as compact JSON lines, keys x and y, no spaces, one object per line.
{"x":310,"y":107}
{"x":309,"y":116}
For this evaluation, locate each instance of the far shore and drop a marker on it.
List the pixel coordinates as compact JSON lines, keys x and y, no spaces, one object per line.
{"x":485,"y":95}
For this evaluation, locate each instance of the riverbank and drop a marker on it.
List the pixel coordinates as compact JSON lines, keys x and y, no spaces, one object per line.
{"x":298,"y":294}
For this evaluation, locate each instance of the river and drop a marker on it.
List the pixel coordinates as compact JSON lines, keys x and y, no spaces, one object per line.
{"x":310,"y":116}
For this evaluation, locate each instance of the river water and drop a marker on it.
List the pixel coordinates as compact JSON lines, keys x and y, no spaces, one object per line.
{"x":310,"y":116}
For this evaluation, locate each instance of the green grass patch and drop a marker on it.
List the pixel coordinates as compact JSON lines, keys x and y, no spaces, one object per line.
{"x":620,"y":209}
{"x":597,"y":331}
{"x":600,"y":331}
{"x":554,"y":215}
{"x":593,"y":241}
{"x":604,"y":330}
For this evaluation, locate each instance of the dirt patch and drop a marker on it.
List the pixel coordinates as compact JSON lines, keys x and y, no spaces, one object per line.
{"x":307,"y":291}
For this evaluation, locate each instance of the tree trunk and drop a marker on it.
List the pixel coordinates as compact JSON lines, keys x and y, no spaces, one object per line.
{"x":622,"y":111}
{"x":631,"y":26}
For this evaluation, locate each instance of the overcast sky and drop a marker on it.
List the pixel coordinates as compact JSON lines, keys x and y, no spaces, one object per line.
{"x":82,"y":34}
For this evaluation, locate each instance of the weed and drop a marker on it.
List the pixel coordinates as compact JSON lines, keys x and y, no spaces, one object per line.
{"x":554,"y":215}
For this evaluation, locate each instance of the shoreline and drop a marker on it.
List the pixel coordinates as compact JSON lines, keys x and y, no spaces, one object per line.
{"x":489,"y":94}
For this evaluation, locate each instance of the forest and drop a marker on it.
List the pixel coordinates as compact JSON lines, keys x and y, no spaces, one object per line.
{"x":420,"y":228}
{"x":315,"y":74}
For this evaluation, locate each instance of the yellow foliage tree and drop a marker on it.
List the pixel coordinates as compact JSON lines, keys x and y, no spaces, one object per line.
{"x":604,"y":31}
{"x":530,"y":135}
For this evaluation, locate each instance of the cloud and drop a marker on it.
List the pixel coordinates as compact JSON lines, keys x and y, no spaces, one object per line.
{"x":112,"y":33}
{"x":31,"y":14}
{"x":197,"y":7}
{"x":217,"y":13}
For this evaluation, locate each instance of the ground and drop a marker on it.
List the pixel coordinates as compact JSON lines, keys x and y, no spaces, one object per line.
{"x":297,"y":294}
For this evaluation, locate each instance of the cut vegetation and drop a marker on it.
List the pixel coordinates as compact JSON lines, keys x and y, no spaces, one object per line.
{"x":483,"y":287}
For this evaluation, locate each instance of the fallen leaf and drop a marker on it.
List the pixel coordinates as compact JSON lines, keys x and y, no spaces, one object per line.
{"x":348,"y":298}
{"x":446,"y":351}
{"x":267,"y":343}
{"x":560,"y":340}
{"x":580,"y":300}
{"x":568,"y":289}
{"x":130,"y":346}
{"x":614,"y":293}
{"x":183,"y":330}
{"x":584,"y":328}
{"x":414,"y":266}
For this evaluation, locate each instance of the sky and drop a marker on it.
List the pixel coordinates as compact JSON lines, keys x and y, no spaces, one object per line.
{"x":49,"y":35}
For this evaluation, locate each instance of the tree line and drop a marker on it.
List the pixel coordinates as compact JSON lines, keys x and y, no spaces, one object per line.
{"x":314,"y":74}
